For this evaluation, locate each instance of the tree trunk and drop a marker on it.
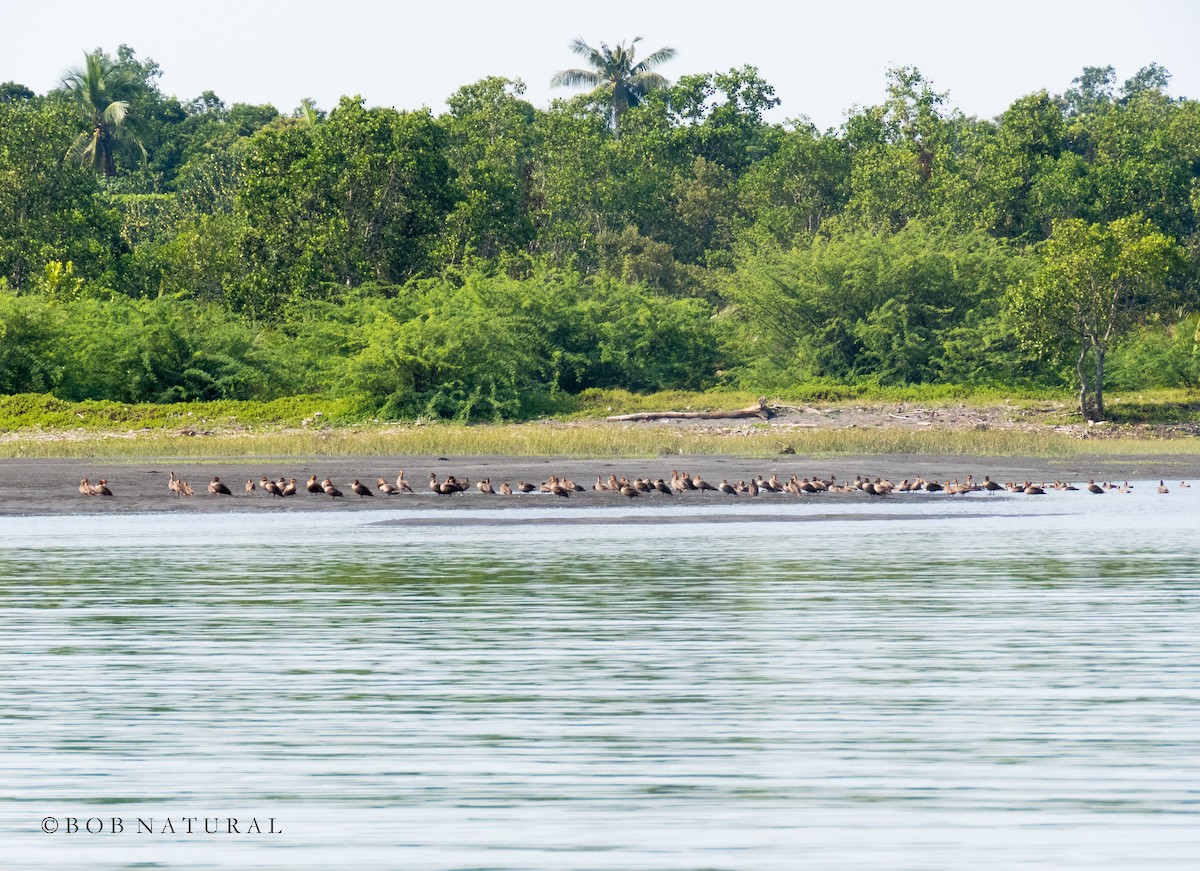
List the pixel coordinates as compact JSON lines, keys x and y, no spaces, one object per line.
{"x":1099,"y":384}
{"x":760,"y":410}
{"x":1081,"y":370}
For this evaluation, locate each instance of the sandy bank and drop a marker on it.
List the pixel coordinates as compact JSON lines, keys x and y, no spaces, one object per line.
{"x":49,"y":486}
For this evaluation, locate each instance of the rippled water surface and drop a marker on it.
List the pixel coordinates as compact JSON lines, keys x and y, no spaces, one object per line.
{"x":926,"y":684}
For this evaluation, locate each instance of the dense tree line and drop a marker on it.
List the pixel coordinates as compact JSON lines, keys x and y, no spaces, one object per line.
{"x":478,"y":262}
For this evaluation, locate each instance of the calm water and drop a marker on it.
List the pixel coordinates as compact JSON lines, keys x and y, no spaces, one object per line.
{"x":981,"y":683}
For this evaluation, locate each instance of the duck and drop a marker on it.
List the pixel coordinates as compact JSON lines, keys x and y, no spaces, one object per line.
{"x":173,"y":483}
{"x":361,"y":489}
{"x":485,"y":486}
{"x":1162,"y":487}
{"x":330,"y":490}
{"x":599,"y":486}
{"x":312,"y":486}
{"x":630,"y":491}
{"x":990,"y":485}
{"x":505,"y":489}
{"x":216,"y":488}
{"x":727,"y":488}
{"x":661,"y":486}
{"x":270,"y":486}
{"x":289,"y":489}
{"x":250,"y":488}
{"x":402,"y":485}
{"x":525,"y":488}
{"x":385,"y":488}
{"x":701,"y":484}
{"x":101,"y":488}
{"x":1032,"y":490}
{"x":1093,"y":487}
{"x":85,"y":488}
{"x":185,"y":489}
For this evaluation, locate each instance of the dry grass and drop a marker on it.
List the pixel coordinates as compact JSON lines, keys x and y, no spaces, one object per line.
{"x":584,"y":440}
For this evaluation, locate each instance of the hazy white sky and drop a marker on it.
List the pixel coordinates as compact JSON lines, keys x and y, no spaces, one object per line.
{"x":822,"y":58}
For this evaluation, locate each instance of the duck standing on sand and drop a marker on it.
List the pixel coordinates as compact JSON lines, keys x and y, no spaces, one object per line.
{"x":385,"y":488}
{"x":361,"y":489}
{"x":312,"y":486}
{"x":216,"y":488}
{"x":330,"y":490}
{"x":250,"y":488}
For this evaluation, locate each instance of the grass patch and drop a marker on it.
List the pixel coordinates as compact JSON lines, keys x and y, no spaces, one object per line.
{"x":32,"y":411}
{"x":41,"y":426}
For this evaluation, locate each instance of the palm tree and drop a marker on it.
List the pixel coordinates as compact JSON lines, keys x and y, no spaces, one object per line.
{"x":101,"y":90}
{"x":614,"y":78}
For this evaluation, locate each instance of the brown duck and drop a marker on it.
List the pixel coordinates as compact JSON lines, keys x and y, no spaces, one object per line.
{"x":216,"y":488}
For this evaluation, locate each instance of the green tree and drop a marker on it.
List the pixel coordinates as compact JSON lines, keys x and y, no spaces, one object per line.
{"x":357,"y":198}
{"x":101,"y":91}
{"x":11,"y":92}
{"x":49,"y":210}
{"x":1095,"y":281}
{"x":490,"y":147}
{"x":617,"y":82}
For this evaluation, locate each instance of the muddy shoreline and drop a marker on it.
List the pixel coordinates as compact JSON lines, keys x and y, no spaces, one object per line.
{"x":50,"y":486}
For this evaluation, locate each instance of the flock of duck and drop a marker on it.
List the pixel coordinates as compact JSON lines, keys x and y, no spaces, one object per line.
{"x":677,"y":485}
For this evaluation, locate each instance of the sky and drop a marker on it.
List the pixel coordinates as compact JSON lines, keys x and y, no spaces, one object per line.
{"x":823,"y":59}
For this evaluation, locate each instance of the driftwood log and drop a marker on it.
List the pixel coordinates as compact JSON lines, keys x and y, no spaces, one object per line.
{"x":758,"y":410}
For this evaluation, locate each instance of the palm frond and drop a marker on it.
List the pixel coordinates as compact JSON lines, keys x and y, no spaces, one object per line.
{"x":575,"y":79}
{"x":115,"y":113}
{"x":595,"y":57}
{"x":659,"y":57}
{"x":644,"y":83}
